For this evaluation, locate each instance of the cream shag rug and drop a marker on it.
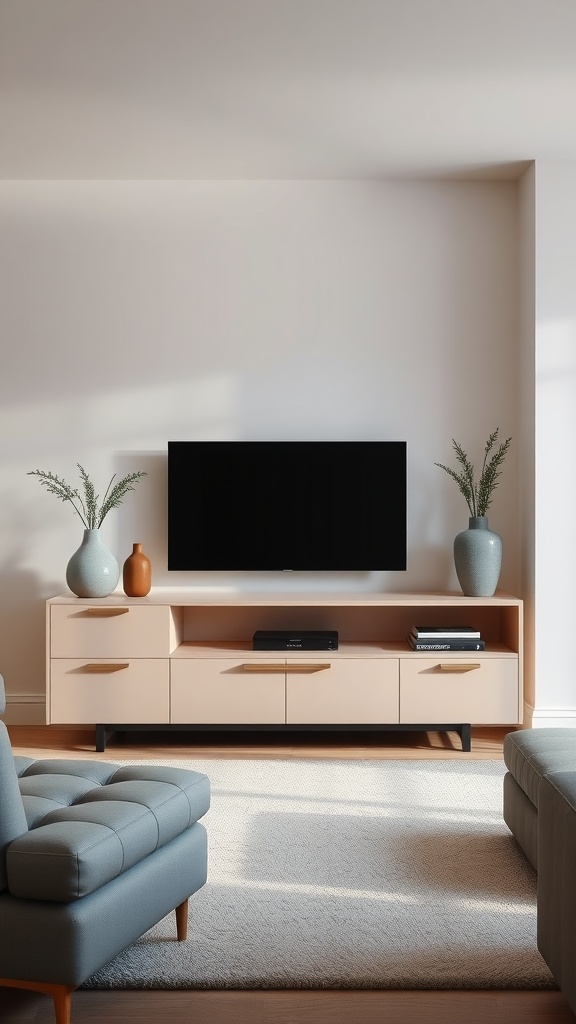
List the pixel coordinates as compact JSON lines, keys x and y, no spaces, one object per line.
{"x":350,"y":874}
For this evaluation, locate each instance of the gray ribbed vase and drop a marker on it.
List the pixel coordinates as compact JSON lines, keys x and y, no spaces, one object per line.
{"x":92,"y":571}
{"x":478,"y":558}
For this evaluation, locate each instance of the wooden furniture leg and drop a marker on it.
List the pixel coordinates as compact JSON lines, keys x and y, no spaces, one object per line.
{"x":61,"y":994}
{"x":182,"y":921}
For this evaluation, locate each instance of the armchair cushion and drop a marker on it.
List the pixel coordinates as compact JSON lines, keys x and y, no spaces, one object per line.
{"x":91,"y":821}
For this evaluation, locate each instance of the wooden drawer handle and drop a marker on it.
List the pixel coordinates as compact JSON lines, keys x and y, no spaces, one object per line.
{"x":259,"y":667}
{"x":105,"y":666}
{"x":303,"y":666}
{"x":308,"y":667}
{"x":453,"y":666}
{"x":105,"y":613}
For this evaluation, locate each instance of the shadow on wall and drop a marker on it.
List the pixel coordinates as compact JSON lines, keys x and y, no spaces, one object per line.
{"x":23,"y":634}
{"x":143,"y":516}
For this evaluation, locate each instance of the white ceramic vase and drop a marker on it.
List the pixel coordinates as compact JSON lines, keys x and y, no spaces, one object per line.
{"x":92,"y":571}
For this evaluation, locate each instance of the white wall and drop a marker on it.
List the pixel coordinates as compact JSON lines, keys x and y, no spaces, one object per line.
{"x":136,"y":312}
{"x":555,"y":431}
{"x":526,"y":367}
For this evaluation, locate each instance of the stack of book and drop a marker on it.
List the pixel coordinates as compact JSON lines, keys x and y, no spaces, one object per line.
{"x":446,"y":638}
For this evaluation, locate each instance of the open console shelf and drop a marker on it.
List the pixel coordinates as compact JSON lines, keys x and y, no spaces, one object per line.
{"x":184,"y":660}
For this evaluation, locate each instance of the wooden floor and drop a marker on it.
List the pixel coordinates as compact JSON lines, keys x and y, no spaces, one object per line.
{"x":298,"y":1007}
{"x":70,"y":742}
{"x":293,"y":1008}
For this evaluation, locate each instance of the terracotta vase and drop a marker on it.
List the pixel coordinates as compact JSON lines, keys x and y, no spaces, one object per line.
{"x":137,"y":573}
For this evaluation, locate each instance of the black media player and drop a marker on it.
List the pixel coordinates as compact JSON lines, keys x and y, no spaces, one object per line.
{"x":292,"y":640}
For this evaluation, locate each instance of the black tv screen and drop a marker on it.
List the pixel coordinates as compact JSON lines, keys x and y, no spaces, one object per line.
{"x":287,"y":505}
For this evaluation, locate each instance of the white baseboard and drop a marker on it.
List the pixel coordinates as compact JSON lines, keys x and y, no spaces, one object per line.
{"x":552,"y":718}
{"x":25,"y":709}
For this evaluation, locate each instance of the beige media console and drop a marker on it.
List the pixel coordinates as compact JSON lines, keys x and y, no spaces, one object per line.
{"x":183,"y":659}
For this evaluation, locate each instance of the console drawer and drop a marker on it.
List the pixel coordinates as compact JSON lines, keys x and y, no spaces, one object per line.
{"x":357,"y":691}
{"x":223,"y":692}
{"x":109,"y":691}
{"x":481,"y":691}
{"x":112,"y":631}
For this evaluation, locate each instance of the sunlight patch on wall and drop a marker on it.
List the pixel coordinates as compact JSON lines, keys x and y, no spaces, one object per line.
{"x":123,"y":418}
{"x":555,"y":491}
{"x":556,"y":410}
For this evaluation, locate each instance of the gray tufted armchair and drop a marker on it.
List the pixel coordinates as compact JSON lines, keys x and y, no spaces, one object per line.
{"x":92,"y":855}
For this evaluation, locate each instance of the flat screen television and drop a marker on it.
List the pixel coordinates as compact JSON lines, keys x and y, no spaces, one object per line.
{"x":286,"y":505}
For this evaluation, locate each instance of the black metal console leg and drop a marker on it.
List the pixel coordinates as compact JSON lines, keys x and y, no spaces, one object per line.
{"x":101,"y":738}
{"x":465,"y":736}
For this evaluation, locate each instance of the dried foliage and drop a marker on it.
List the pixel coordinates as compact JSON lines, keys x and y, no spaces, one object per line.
{"x":478,"y":494}
{"x":86,"y":504}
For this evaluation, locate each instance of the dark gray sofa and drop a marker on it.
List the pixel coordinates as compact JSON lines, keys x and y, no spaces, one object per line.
{"x":540,"y":811}
{"x":92,"y":855}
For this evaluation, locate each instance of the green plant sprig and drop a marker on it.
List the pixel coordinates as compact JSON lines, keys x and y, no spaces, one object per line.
{"x":86,"y":505}
{"x":478,"y":494}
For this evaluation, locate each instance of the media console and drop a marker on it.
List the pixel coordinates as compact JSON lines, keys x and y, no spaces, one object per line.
{"x":184,"y":660}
